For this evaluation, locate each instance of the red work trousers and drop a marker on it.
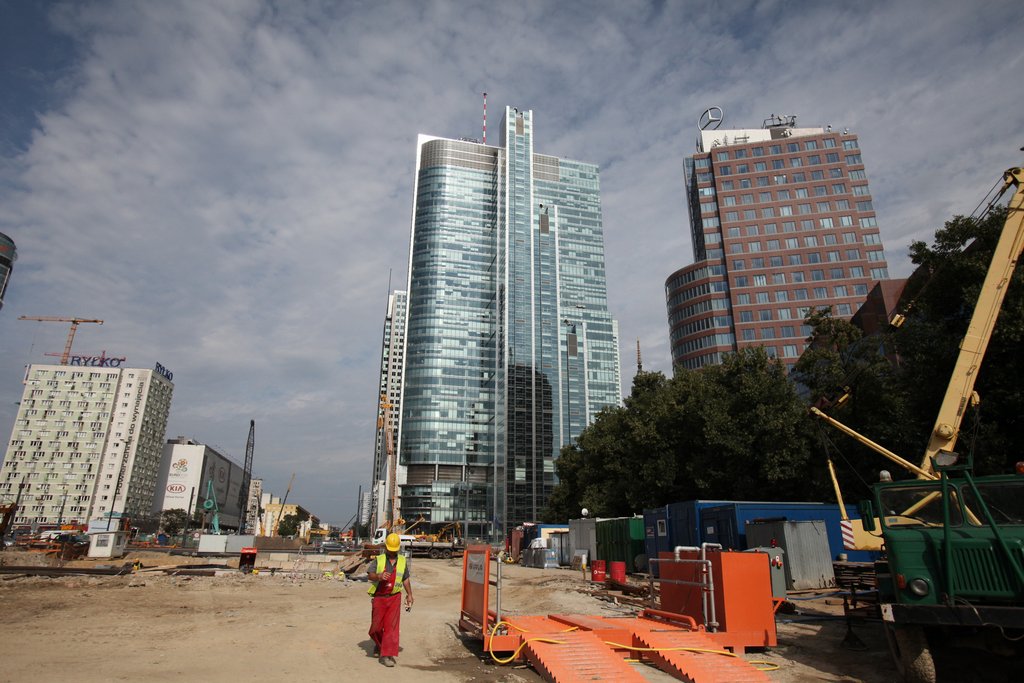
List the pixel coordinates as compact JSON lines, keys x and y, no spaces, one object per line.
{"x":384,"y":623}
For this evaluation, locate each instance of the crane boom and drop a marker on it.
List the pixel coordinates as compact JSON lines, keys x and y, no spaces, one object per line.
{"x":972,"y":348}
{"x":280,"y":513}
{"x":71,"y":333}
{"x":243,"y":492}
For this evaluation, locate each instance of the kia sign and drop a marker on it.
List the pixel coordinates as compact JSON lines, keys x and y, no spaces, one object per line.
{"x":176,"y":488}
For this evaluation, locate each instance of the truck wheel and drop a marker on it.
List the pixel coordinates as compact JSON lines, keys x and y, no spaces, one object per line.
{"x":434,"y":553}
{"x":447,"y":554}
{"x":909,"y":648}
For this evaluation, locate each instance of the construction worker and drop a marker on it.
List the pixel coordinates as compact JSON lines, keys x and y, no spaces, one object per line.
{"x":388,"y":576}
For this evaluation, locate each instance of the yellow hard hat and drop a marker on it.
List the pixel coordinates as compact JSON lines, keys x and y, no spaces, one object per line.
{"x":393,"y":543}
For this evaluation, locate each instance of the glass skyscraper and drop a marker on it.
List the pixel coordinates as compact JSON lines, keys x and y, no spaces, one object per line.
{"x":510,"y":349}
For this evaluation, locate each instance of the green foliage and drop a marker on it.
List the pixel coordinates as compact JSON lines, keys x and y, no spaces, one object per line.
{"x":852,"y":379}
{"x":290,"y":523}
{"x":173,"y":521}
{"x":952,"y":272}
{"x":730,"y":431}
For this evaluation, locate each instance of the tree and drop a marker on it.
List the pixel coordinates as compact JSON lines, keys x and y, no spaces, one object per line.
{"x":747,"y":432}
{"x":289,"y":525}
{"x":173,"y":521}
{"x":951,"y":273}
{"x":731,"y":431}
{"x":851,"y":378}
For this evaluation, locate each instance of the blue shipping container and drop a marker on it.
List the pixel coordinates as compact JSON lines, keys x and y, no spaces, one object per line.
{"x":726,"y":524}
{"x":676,"y":524}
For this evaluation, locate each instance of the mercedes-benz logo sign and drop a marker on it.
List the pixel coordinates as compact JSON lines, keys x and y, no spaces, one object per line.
{"x":711,"y":119}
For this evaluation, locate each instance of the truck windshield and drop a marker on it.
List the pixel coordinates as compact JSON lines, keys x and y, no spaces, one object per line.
{"x":1005,"y":500}
{"x":917,"y":506}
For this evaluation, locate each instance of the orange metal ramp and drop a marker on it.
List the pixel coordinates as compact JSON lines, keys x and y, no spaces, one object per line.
{"x":696,"y":667}
{"x":579,"y":656}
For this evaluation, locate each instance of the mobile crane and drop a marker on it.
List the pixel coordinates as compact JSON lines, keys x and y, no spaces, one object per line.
{"x":953,"y":573}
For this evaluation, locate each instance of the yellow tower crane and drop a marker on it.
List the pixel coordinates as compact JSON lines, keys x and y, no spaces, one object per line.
{"x":71,"y":333}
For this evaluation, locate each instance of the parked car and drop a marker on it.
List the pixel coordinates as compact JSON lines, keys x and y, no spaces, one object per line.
{"x":331,"y":547}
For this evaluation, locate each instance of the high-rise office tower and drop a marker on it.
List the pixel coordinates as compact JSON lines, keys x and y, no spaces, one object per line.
{"x":510,"y":349}
{"x":386,"y":469}
{"x":8,"y":255}
{"x":782,"y":224}
{"x":86,"y":443}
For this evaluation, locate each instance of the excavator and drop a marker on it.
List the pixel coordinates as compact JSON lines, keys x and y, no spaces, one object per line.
{"x":953,"y":570}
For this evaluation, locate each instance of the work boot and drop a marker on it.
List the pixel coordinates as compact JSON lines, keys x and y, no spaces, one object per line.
{"x":387,"y":661}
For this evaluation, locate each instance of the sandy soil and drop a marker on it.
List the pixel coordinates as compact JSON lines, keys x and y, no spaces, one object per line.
{"x":154,"y":627}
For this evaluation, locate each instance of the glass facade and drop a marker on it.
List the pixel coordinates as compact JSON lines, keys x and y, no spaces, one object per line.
{"x":385,"y":468}
{"x":510,"y":349}
{"x":8,"y":255}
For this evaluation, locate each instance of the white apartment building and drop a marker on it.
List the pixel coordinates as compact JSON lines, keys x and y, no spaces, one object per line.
{"x":86,"y":443}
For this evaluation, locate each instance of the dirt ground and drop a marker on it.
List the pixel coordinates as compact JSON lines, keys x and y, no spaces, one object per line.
{"x":155,"y":627}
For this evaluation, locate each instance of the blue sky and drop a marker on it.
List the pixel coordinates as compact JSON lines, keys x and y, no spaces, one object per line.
{"x":229,"y":184}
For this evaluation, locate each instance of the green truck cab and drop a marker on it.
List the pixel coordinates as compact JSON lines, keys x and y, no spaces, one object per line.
{"x":953,"y":573}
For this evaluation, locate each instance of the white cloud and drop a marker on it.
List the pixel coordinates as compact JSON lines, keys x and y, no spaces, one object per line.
{"x":228,"y":184}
